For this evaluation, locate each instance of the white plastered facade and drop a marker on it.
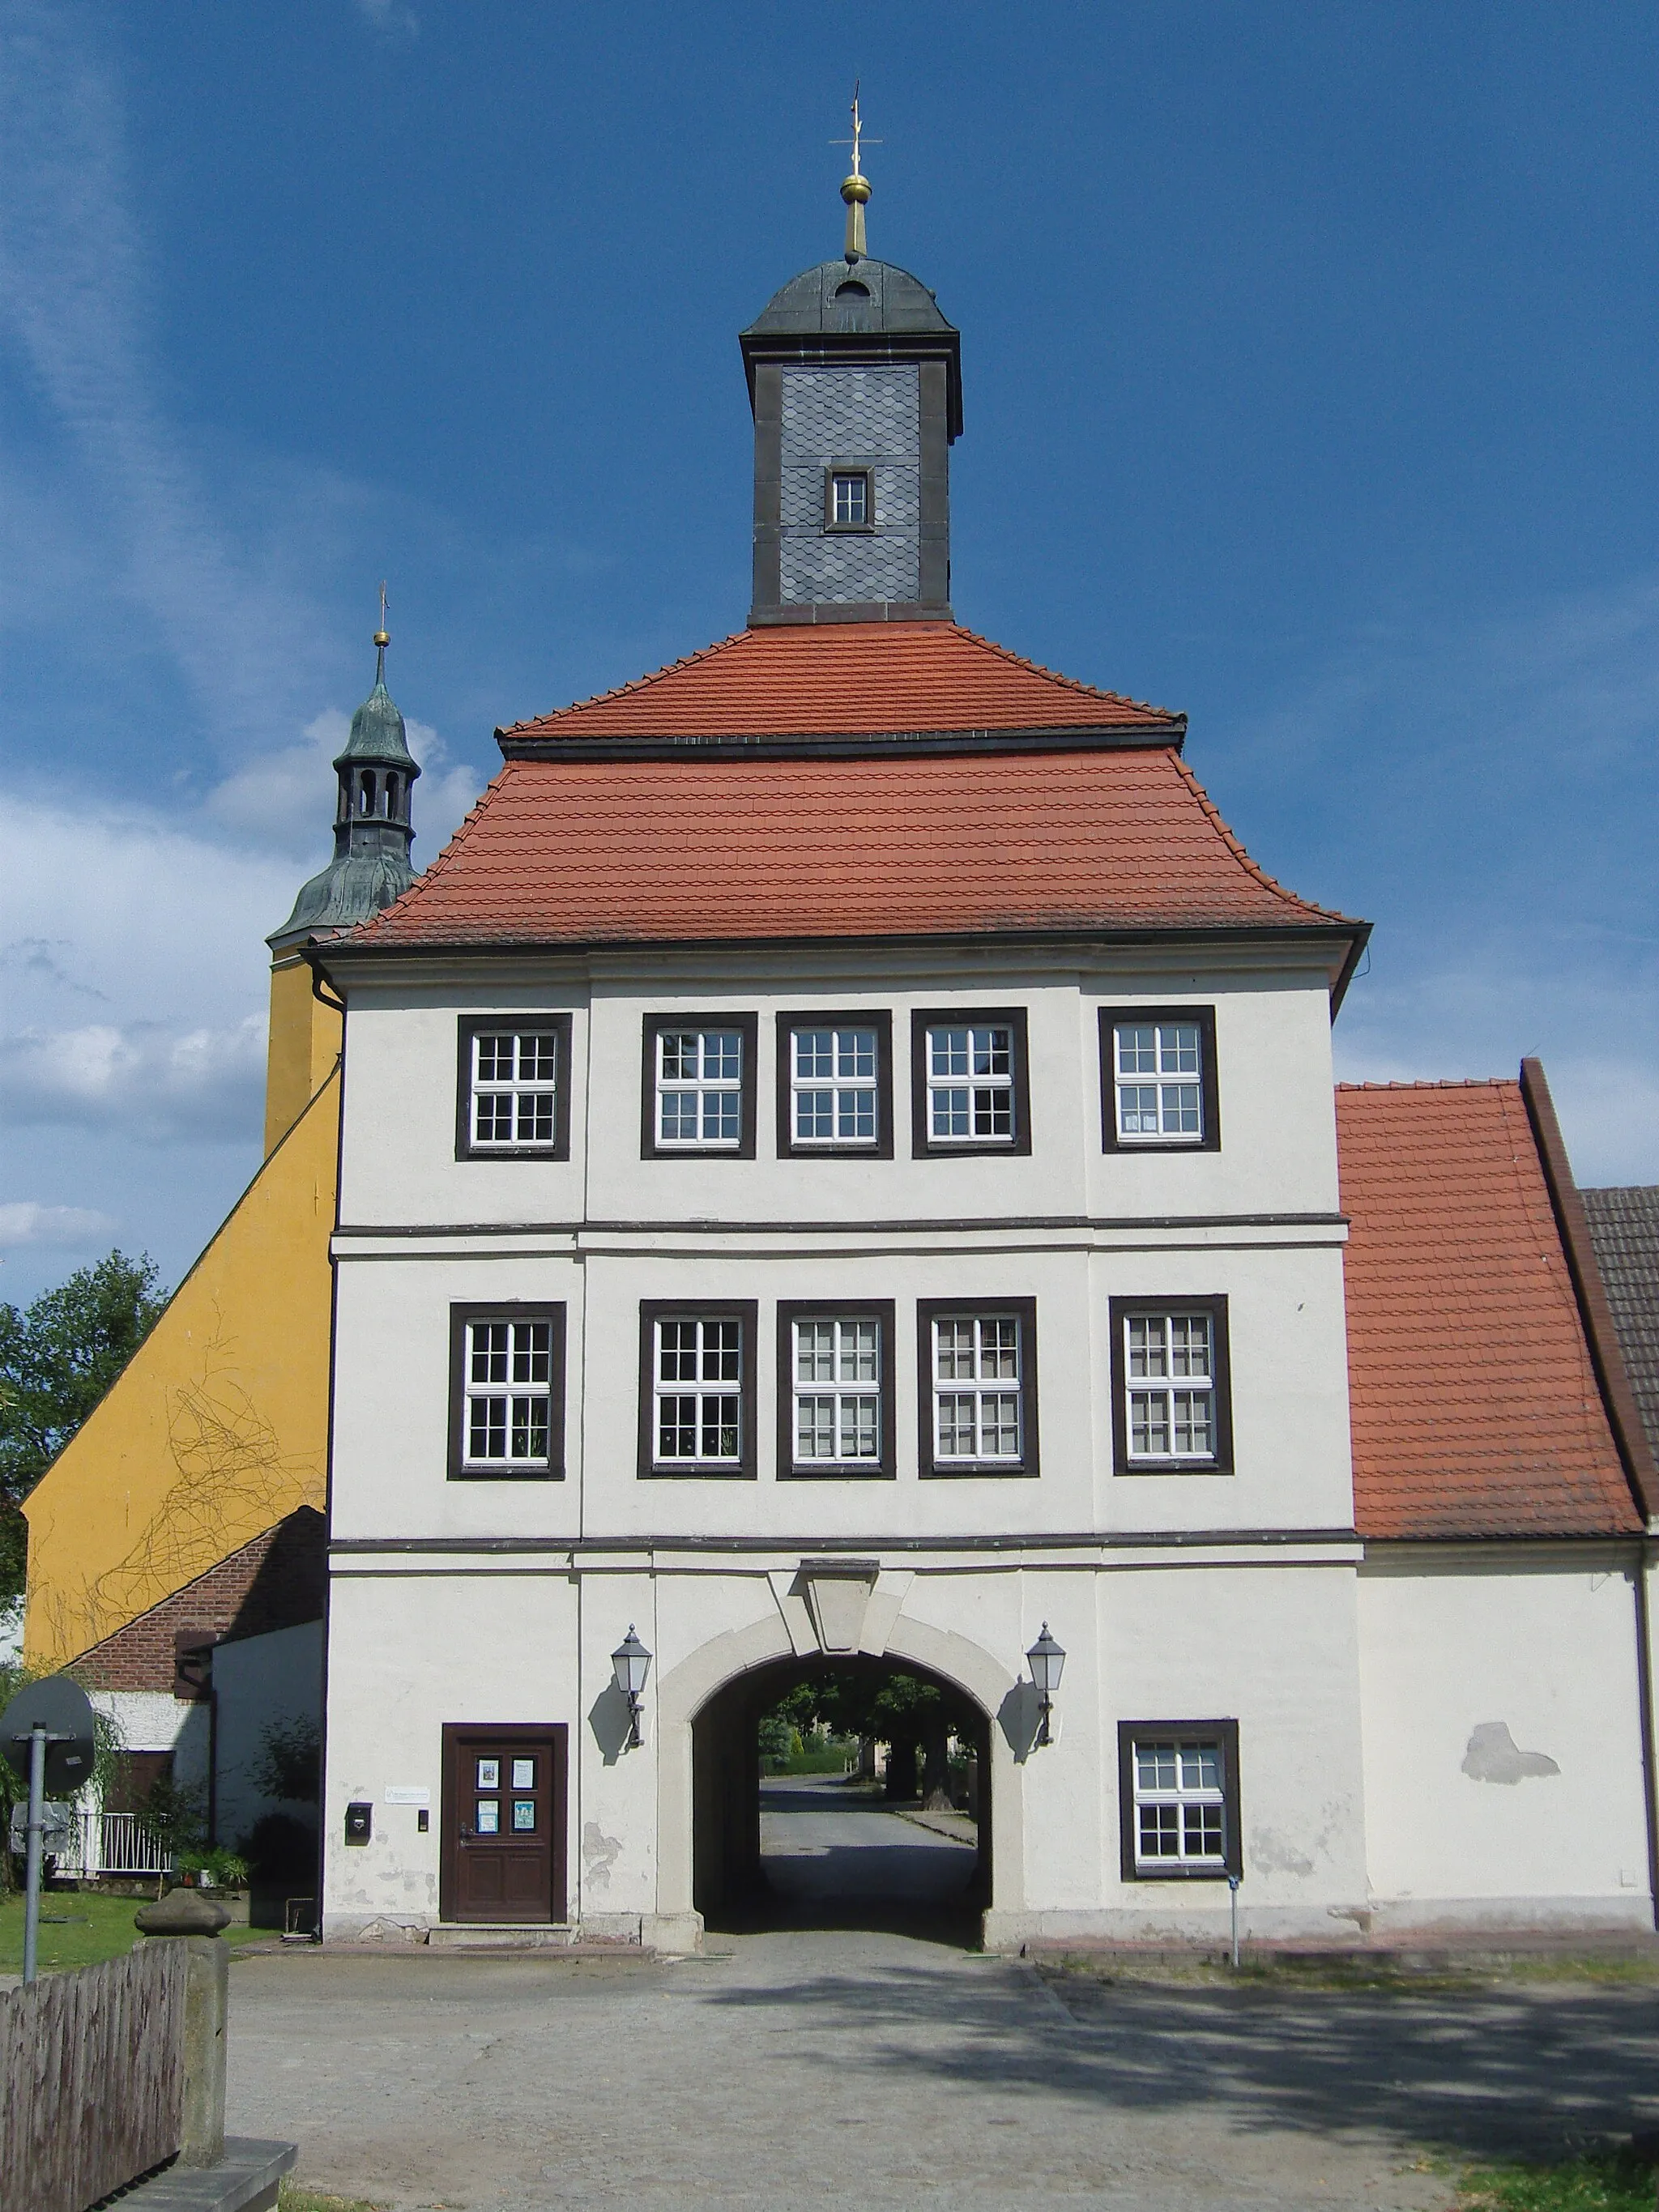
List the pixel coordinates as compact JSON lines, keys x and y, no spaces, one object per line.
{"x":1235,"y":1596}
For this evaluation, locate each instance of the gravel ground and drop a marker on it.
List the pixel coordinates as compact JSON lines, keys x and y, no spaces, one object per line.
{"x":854,"y":2067}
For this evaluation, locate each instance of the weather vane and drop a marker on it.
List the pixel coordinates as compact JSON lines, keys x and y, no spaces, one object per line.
{"x":855,"y":189}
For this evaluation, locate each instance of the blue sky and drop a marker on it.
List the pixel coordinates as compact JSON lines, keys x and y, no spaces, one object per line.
{"x":1308,"y":361}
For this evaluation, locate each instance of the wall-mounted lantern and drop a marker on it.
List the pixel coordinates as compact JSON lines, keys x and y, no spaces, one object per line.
{"x":631,"y":1664}
{"x":1047,"y":1660}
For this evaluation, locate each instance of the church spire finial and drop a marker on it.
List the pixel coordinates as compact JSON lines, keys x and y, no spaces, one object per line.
{"x":855,"y":189}
{"x":382,"y":639}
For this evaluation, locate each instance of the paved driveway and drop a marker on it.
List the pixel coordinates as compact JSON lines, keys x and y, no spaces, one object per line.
{"x":855,"y":2068}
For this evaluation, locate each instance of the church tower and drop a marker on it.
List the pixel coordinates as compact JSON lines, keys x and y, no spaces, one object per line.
{"x":374,"y":830}
{"x":855,"y":380}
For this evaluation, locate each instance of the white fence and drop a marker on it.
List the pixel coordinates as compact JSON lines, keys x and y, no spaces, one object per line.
{"x":111,"y":1843}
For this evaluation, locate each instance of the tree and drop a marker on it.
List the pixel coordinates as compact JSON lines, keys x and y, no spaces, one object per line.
{"x":57,"y":1358}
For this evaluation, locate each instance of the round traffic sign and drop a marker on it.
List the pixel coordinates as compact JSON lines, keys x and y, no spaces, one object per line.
{"x":60,"y":1706}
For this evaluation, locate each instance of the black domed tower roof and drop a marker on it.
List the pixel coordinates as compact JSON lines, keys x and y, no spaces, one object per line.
{"x":844,"y":305}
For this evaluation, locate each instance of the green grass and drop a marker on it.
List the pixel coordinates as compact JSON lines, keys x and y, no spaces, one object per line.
{"x":79,"y":1929}
{"x":1369,"y":1974}
{"x":1594,"y":2181}
{"x":291,"y":2197}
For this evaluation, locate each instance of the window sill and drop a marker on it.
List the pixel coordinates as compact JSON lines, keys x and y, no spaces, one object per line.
{"x":507,"y":1474}
{"x":836,"y":1471}
{"x":1181,"y":1874}
{"x":709,"y":1472}
{"x":1164,"y":1467}
{"x":1004,"y":1470}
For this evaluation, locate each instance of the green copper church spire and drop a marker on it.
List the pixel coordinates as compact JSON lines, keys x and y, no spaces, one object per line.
{"x":373,"y":829}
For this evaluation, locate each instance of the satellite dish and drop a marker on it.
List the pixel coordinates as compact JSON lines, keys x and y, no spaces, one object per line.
{"x":61,"y":1706}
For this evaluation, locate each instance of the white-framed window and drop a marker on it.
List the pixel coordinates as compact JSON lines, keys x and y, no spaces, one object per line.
{"x":697,"y":1367}
{"x":833,"y":1079}
{"x":1179,"y":1789}
{"x":508,"y":1384}
{"x":837,"y":1389}
{"x":970,"y":1083}
{"x":1159,"y":1077}
{"x":849,"y":501}
{"x":978,"y":1376}
{"x":1170,"y":1364}
{"x":513,"y":1084}
{"x":699,"y":1078}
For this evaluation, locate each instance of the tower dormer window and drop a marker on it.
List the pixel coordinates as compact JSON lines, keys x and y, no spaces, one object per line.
{"x":851,"y":500}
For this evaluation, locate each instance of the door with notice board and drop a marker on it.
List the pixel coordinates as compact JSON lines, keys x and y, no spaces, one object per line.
{"x":503,"y":1814}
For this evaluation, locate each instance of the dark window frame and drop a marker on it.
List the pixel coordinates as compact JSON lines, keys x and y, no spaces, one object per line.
{"x":789,"y":1469}
{"x":923,"y":1145}
{"x":1215,"y":1305}
{"x":865,"y":1017}
{"x":1026,"y":1466}
{"x":745,"y":1468}
{"x":748,"y":1025}
{"x":1209,"y":1079}
{"x":461,"y":1314}
{"x":867,"y":527}
{"x":473,"y":1025}
{"x":1224,"y":1732}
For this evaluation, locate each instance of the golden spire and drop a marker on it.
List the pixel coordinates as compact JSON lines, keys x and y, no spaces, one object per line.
{"x":381,"y":640}
{"x":855,"y":189}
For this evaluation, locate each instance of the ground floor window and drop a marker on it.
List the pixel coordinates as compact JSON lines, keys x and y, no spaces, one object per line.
{"x":1178,"y":1785}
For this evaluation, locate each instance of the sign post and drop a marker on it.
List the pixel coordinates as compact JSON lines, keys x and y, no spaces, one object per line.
{"x":46,"y":1735}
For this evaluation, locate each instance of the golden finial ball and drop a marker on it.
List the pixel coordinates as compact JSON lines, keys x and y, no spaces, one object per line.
{"x":855,"y":188}
{"x":382,"y":638}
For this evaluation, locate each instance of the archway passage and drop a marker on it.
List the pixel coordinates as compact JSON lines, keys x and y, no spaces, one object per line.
{"x":838,"y":1850}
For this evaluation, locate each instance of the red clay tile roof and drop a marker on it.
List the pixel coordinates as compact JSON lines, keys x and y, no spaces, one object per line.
{"x":846,"y":679}
{"x":689,"y":848}
{"x":1475,"y":1408}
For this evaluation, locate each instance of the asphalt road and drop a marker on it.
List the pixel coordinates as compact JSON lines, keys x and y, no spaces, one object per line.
{"x":854,"y":2067}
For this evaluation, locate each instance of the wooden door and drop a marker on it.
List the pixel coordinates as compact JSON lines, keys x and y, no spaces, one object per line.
{"x":503,"y":1813}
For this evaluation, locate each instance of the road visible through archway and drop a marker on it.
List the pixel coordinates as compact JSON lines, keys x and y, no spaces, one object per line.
{"x":831,"y":1850}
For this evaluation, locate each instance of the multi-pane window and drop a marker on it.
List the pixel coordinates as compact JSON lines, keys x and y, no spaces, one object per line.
{"x":508,"y":1373}
{"x":1170,"y":1371}
{"x":1159,"y":1080}
{"x":978,"y":1398}
{"x":514,"y":1084}
{"x":849,"y":499}
{"x":699,"y":1082}
{"x":697,"y":1365}
{"x":970,"y":1083}
{"x":1178,"y":1786}
{"x":833,"y":1079}
{"x":837,"y":1390}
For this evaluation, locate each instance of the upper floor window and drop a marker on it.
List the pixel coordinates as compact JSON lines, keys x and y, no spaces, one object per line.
{"x":971,"y":1090}
{"x":514,"y":1091}
{"x":849,"y":501}
{"x":507,"y":1390}
{"x":1178,"y":1791}
{"x":834,"y":1083}
{"x":978,"y":1387}
{"x":699,"y":1084}
{"x":697,"y":1393}
{"x":1158,"y":1085}
{"x":1170,"y":1411}
{"x":836,"y":1403}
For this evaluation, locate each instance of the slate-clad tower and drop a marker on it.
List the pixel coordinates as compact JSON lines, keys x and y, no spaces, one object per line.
{"x":855,"y":379}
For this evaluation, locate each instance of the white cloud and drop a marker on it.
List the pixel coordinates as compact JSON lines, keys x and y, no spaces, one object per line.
{"x":24,"y":1222}
{"x":154,"y":1079}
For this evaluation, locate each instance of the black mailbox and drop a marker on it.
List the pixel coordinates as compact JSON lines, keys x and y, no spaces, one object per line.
{"x":360,"y":1819}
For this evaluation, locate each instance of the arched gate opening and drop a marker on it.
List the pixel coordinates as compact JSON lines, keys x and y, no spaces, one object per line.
{"x":777,"y":1851}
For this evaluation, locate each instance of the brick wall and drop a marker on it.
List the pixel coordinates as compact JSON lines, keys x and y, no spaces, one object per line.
{"x":276,"y":1581}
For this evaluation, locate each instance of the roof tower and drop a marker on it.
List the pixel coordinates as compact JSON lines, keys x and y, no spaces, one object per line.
{"x":373,"y":829}
{"x":855,"y":380}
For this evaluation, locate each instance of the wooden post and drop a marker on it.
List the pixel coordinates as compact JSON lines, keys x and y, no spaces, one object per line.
{"x":186,"y":1917}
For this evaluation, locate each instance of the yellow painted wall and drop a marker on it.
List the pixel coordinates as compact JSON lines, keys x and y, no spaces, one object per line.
{"x":219,"y":1426}
{"x":305,"y":1043}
